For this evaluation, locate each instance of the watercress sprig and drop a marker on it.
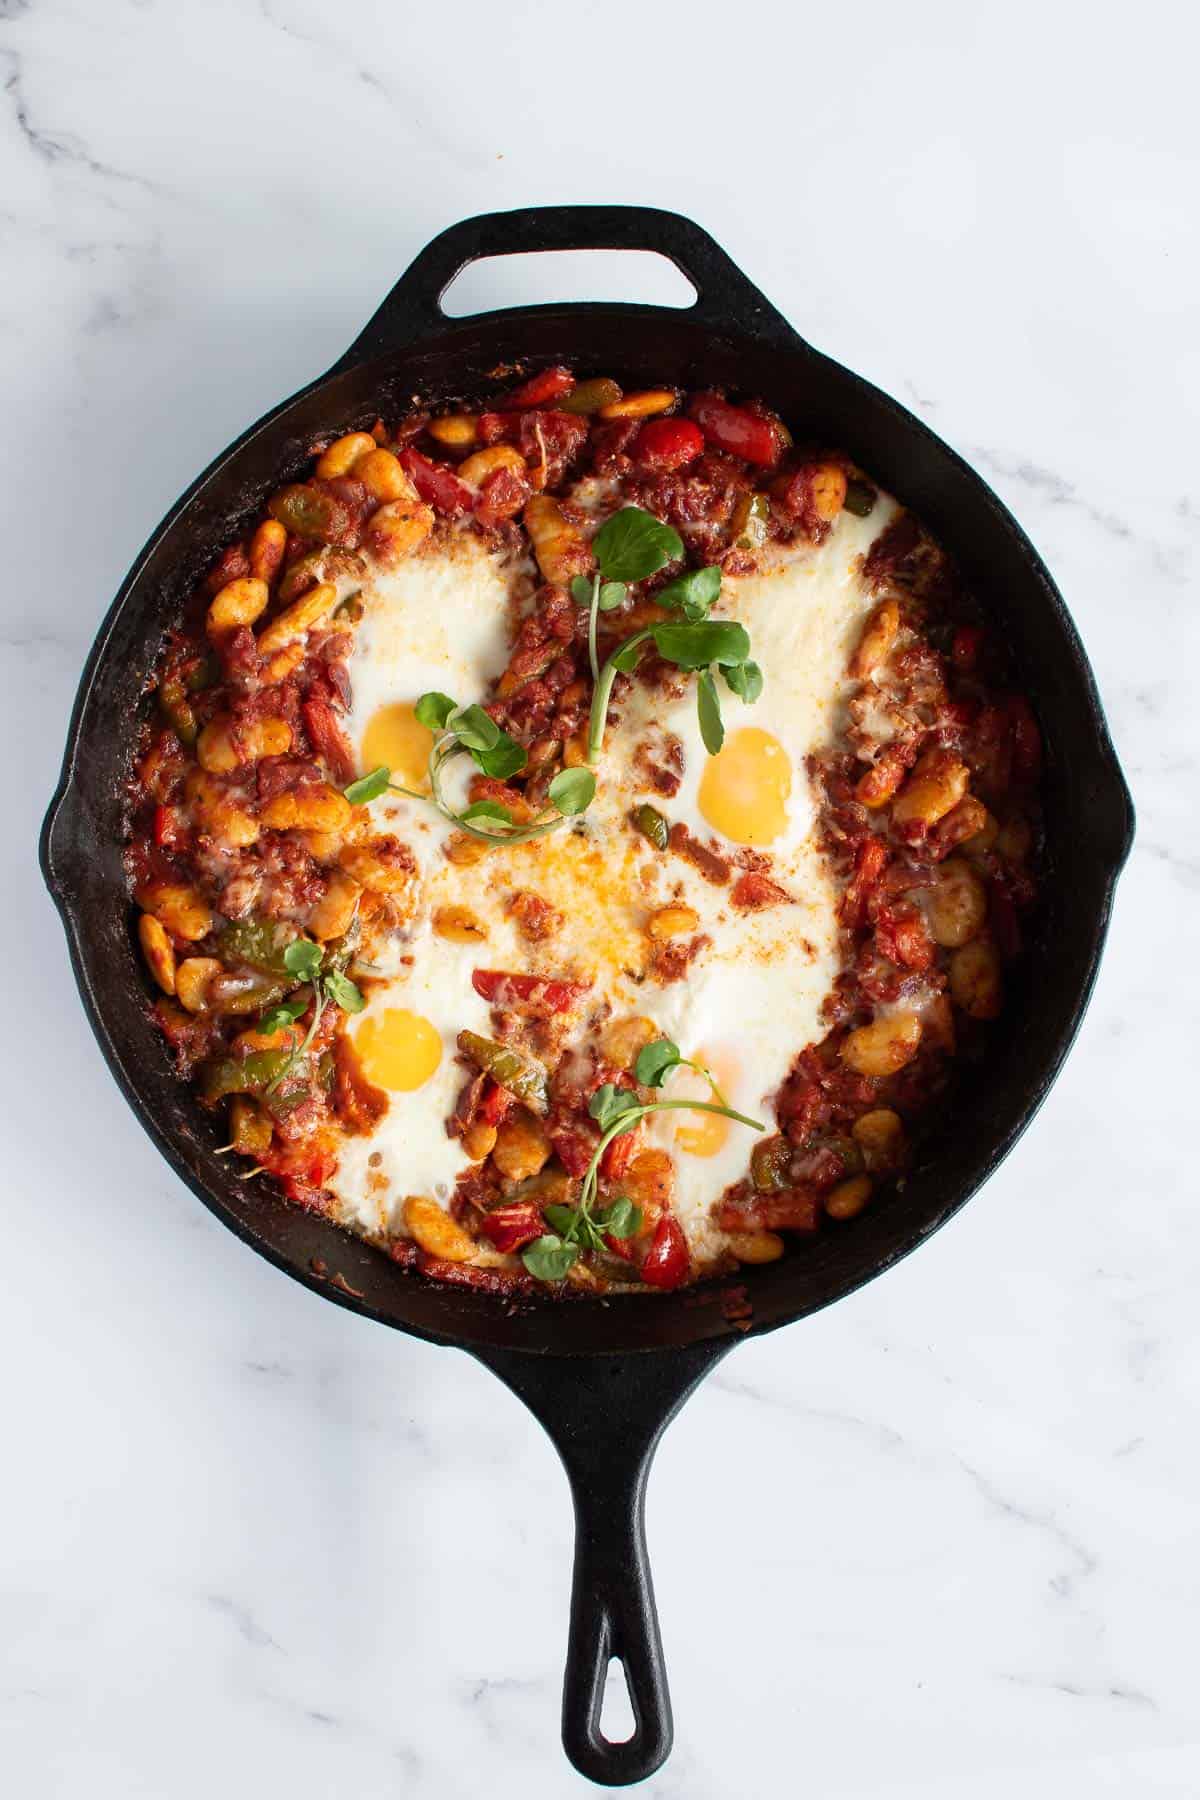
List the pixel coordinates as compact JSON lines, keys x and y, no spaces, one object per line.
{"x":327,"y":984}
{"x":616,"y":1111}
{"x":471,"y":731}
{"x":630,"y":546}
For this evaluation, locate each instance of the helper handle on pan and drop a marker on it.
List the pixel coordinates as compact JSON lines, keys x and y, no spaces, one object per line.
{"x":724,"y":295}
{"x":605,"y":1415}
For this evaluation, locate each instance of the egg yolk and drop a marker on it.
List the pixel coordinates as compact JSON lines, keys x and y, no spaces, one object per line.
{"x":700,"y":1133}
{"x":398,"y":1049}
{"x":396,"y":738}
{"x":744,"y":789}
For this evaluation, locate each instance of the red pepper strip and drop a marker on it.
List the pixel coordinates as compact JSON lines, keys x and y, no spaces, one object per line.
{"x":735,"y":430}
{"x":532,"y":991}
{"x":512,"y":1227}
{"x":622,"y":1247}
{"x":486,"y":1281}
{"x":791,"y":1209}
{"x":663,"y":445}
{"x":667,"y":1261}
{"x":328,"y":739}
{"x":539,"y":390}
{"x":437,"y":485}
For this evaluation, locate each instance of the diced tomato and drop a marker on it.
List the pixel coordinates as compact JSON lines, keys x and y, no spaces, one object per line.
{"x":497,"y":428}
{"x":502,"y":496}
{"x":539,"y":390}
{"x":752,"y":892}
{"x":622,"y":1247}
{"x":618,"y":1154}
{"x":901,"y":936}
{"x":869,"y":861}
{"x":663,"y":445}
{"x":533,"y":992}
{"x":170,"y":832}
{"x":736,"y":430}
{"x":437,"y":485}
{"x":494,"y":1104}
{"x":667,"y":1263}
{"x":511,"y":1227}
{"x":574,"y":1148}
{"x":328,"y":739}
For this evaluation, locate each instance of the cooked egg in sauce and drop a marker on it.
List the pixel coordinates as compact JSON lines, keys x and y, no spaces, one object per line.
{"x":751,"y":999}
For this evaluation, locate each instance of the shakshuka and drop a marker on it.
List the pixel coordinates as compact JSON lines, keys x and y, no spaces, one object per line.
{"x":578,"y":835}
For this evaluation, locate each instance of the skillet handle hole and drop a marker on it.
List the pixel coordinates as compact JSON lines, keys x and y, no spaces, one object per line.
{"x":617,"y":1721}
{"x":544,"y":277}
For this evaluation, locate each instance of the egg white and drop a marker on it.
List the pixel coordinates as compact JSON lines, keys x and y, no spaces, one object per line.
{"x":750,"y":1000}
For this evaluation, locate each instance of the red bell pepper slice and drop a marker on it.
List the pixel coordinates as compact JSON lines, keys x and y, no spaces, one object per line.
{"x":736,"y":430}
{"x":328,"y":739}
{"x":437,"y":485}
{"x":664,"y":445}
{"x":512,"y":1227}
{"x":667,"y":1261}
{"x":539,"y":390}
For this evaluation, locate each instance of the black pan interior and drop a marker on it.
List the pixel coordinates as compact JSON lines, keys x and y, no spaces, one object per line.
{"x":1087,"y":814}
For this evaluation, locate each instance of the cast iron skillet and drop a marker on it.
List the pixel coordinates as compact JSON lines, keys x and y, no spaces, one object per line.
{"x":603,"y":1379}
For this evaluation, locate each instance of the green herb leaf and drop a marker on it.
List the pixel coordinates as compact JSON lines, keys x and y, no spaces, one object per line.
{"x":474,"y":729}
{"x":505,"y":758}
{"x":692,"y":593}
{"x":488,"y":809}
{"x":368,"y":787}
{"x":634,"y":544}
{"x":581,"y":590}
{"x":609,"y":1103}
{"x":303,"y":958}
{"x":708,"y":705}
{"x":622,"y":1220}
{"x":277,"y":1018}
{"x":343,"y":992}
{"x":655,"y":1061}
{"x":548,"y":1258}
{"x":611,"y":594}
{"x":624,"y":660}
{"x":745,"y":680}
{"x":565,"y":1220}
{"x":696,"y":646}
{"x":572,"y":790}
{"x":433,"y":710}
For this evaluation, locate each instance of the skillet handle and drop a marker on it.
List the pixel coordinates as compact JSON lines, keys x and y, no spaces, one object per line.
{"x":605,"y":1416}
{"x":724,"y":295}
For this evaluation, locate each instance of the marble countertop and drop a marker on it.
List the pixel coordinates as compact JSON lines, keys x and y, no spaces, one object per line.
{"x":940,"y":1540}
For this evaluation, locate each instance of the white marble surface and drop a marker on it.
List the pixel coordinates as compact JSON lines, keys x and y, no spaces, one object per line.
{"x":940,"y":1541}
